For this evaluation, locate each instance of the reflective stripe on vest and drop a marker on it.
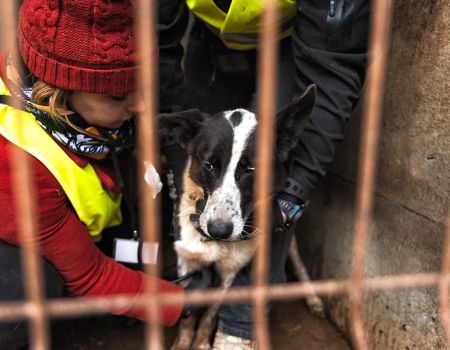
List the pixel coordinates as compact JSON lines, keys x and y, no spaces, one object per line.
{"x":239,"y":28}
{"x":95,"y":207}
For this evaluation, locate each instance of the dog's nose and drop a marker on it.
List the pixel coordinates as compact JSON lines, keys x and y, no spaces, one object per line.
{"x":219,"y":229}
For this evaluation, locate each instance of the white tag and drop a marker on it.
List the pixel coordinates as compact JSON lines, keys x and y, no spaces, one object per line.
{"x":126,"y":251}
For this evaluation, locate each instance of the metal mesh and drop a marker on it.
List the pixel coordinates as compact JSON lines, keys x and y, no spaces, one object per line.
{"x":38,"y":311}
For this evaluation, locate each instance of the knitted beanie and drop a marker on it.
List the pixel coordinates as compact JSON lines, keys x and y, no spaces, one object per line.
{"x":80,"y":45}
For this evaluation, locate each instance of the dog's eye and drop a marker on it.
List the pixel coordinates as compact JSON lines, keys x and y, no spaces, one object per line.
{"x":249,"y":169}
{"x":208,"y":165}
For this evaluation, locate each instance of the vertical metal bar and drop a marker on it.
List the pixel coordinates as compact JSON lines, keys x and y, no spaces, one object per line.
{"x":147,"y":146}
{"x":379,"y":34}
{"x":444,"y":281}
{"x":26,"y":213}
{"x":267,"y":72}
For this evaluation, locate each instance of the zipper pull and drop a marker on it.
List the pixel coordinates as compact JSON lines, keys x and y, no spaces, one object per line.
{"x":332,"y":11}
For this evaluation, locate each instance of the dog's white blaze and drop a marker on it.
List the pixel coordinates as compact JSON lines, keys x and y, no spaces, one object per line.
{"x":225,"y":202}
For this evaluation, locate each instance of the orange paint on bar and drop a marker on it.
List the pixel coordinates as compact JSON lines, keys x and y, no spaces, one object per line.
{"x":267,"y":74}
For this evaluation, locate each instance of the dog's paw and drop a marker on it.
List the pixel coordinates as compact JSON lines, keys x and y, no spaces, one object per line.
{"x":201,"y":346}
{"x":201,"y":341}
{"x":181,"y":344}
{"x":316,"y":306}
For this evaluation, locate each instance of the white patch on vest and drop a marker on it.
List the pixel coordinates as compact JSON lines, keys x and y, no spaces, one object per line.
{"x":225,"y":202}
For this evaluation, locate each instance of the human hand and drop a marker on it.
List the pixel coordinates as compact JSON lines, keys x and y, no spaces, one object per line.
{"x":200,"y":279}
{"x":279,"y":218}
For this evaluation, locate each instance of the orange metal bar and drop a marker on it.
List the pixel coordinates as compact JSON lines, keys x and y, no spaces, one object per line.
{"x":147,"y":151}
{"x":37,"y":311}
{"x":444,"y":294}
{"x":381,"y":14}
{"x":267,"y":73}
{"x":26,"y":217}
{"x":89,"y":306}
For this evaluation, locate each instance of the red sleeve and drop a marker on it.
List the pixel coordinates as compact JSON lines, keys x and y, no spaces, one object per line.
{"x":65,"y":242}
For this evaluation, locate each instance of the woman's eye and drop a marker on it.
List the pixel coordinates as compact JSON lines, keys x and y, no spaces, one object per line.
{"x":119,"y":98}
{"x":208,"y":166}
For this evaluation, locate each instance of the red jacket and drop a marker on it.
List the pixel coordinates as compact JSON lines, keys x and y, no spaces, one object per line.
{"x":65,"y":241}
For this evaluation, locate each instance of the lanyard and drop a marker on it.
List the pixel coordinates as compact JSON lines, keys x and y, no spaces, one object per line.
{"x":126,"y":195}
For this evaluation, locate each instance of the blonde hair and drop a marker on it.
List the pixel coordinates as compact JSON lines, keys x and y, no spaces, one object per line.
{"x":51,"y":100}
{"x":45,"y":97}
{"x":54,"y":101}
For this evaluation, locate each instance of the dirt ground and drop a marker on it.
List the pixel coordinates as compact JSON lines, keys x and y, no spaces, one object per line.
{"x":291,"y":327}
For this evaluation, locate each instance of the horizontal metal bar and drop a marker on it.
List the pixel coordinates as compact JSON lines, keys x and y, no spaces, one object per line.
{"x":89,"y":306}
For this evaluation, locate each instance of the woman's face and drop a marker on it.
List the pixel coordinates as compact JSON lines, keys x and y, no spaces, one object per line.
{"x":106,"y":111}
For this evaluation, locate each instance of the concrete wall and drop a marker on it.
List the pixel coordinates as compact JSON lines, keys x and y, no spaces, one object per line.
{"x":412,"y":194}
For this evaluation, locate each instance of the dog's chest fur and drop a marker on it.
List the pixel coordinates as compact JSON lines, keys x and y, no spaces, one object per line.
{"x":224,"y":202}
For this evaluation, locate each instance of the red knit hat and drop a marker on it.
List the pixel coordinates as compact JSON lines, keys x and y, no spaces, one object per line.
{"x":80,"y":45}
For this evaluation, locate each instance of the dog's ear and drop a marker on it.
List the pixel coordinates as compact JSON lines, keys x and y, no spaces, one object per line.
{"x":184,"y":124}
{"x":291,"y":121}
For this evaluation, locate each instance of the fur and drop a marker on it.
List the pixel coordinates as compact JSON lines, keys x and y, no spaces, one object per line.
{"x":220,"y":173}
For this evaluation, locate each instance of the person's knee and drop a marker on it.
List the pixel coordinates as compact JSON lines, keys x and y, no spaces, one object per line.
{"x":11,"y":281}
{"x":14,"y":334}
{"x":11,"y":275}
{"x":236,"y":320}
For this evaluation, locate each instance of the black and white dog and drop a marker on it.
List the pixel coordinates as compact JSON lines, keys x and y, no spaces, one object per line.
{"x":220,"y":173}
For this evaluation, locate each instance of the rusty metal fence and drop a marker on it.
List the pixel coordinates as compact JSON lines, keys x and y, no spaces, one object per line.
{"x":38,"y":311}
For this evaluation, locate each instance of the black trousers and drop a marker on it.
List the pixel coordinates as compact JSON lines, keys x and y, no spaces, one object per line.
{"x":14,"y":334}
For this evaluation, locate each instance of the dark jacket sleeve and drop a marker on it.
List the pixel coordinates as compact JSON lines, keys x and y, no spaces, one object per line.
{"x":172,"y":23}
{"x":329,"y":49}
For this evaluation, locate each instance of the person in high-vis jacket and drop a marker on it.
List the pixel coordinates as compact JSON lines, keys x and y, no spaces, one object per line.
{"x":321,"y":41}
{"x":75,"y":102}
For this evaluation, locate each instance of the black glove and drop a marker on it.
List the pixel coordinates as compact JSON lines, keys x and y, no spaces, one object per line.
{"x":277,"y":219}
{"x":200,"y":280}
{"x":278,"y":224}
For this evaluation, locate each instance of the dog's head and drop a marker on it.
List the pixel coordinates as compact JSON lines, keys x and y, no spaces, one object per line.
{"x":221,"y":159}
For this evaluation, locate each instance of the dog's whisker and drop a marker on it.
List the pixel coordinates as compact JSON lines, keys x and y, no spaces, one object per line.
{"x":252,"y":232}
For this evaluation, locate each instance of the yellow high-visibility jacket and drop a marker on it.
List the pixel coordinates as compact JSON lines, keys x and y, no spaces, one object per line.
{"x":239,"y":28}
{"x":96,"y":207}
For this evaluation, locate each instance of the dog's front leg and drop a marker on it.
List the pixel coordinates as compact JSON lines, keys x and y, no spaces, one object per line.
{"x":186,"y":326}
{"x":185,"y":334}
{"x":207,"y":322}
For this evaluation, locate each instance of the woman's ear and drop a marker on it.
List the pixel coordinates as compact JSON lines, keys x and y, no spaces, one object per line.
{"x":291,"y":121}
{"x":185,"y":124}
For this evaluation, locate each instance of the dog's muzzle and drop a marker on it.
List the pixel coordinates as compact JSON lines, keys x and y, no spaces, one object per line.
{"x":218,"y":230}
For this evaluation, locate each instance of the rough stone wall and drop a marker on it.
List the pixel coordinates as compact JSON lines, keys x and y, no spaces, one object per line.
{"x":411,"y":201}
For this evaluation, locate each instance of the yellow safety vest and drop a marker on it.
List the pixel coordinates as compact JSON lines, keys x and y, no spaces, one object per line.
{"x":96,"y":207}
{"x":239,"y":28}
